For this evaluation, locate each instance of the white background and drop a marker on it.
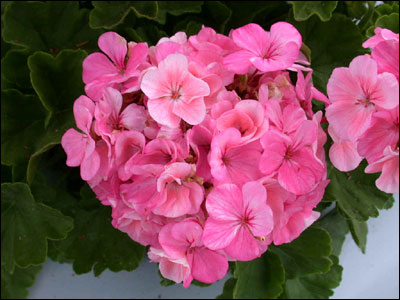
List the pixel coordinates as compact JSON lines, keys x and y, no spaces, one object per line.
{"x":372,"y":275}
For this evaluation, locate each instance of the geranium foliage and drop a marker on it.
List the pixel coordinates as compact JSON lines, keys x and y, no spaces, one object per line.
{"x":47,"y":208}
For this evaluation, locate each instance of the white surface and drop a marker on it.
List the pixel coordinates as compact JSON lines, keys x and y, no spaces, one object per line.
{"x":373,"y":275}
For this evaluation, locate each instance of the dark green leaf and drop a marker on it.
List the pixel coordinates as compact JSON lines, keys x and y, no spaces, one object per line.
{"x":48,"y":26}
{"x":177,"y":8}
{"x":307,"y":254}
{"x":108,"y":14}
{"x":327,"y":40}
{"x":14,"y":286}
{"x":389,"y":22}
{"x":315,"y":286}
{"x":95,"y":244}
{"x":227,"y":292}
{"x":218,"y":14}
{"x":304,"y":9}
{"x":356,"y":9}
{"x":14,"y":68}
{"x":260,"y":278}
{"x":5,"y":174}
{"x":359,"y":231}
{"x":337,"y":227}
{"x":356,"y":193}
{"x":27,"y":225}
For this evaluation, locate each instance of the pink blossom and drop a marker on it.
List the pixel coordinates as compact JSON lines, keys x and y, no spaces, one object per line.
{"x":99,"y":72}
{"x":238,"y":220}
{"x":174,"y":93}
{"x":292,"y":158}
{"x":81,"y":147}
{"x":356,"y":92}
{"x":182,"y":240}
{"x":267,"y":51}
{"x":389,"y":166}
{"x":231,"y":161}
{"x":179,"y":192}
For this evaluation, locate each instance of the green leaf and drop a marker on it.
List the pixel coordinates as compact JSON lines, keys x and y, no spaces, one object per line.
{"x":356,"y":9}
{"x":177,"y":8}
{"x":218,"y":14}
{"x":304,"y":9}
{"x":337,"y":227}
{"x":359,"y":231}
{"x":14,"y":68}
{"x":315,"y":286}
{"x":227,"y":292}
{"x":307,"y":254}
{"x":356,"y":193}
{"x":48,"y":26}
{"x":260,"y":278}
{"x":95,"y":244}
{"x":327,"y":40}
{"x":27,"y":225}
{"x":389,"y":22}
{"x":14,"y":286}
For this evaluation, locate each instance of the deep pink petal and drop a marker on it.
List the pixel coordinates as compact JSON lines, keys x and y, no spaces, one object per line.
{"x":386,"y":55}
{"x":244,"y":246}
{"x":343,"y":86}
{"x":74,"y":144}
{"x":114,"y":46}
{"x":137,"y":55}
{"x":208,"y":266}
{"x":83,"y":112}
{"x":386,"y":93}
{"x":278,"y":59}
{"x":225,"y":202}
{"x":238,"y":62}
{"x":275,"y":146}
{"x":90,"y":165}
{"x":283,"y":32}
{"x":218,"y":234}
{"x":97,"y":65}
{"x":133,"y":117}
{"x":251,"y":37}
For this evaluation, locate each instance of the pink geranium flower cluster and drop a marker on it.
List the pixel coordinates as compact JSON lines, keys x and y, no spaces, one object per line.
{"x":364,"y":111}
{"x":203,"y":147}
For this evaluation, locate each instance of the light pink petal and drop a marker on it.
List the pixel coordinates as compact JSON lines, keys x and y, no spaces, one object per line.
{"x":90,"y":165}
{"x":174,"y":69}
{"x":253,"y":109}
{"x":141,"y":194}
{"x":292,"y":117}
{"x":133,"y":117}
{"x":389,"y":179}
{"x":348,"y":120}
{"x":236,"y":119}
{"x":83,"y":113}
{"x":74,"y":144}
{"x":113,"y":98}
{"x":244,"y":246}
{"x":114,"y":46}
{"x":192,"y":113}
{"x":193,"y":88}
{"x":305,"y":135}
{"x":238,"y":62}
{"x":225,"y":202}
{"x":251,"y":37}
{"x":154,"y":84}
{"x":343,"y":86}
{"x":174,"y":271}
{"x":386,"y":55}
{"x":256,"y":209}
{"x":344,"y":155}
{"x":161,"y":110}
{"x":386,"y":93}
{"x":218,"y":234}
{"x":208,"y":266}
{"x":97,"y":65}
{"x":364,"y":70}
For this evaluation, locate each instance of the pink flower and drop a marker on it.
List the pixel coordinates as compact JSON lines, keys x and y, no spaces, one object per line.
{"x":384,"y":131}
{"x":343,"y":153}
{"x":248,"y":117}
{"x":182,"y":241}
{"x":385,"y":50}
{"x":99,"y":72}
{"x":179,"y":193}
{"x":389,"y":166}
{"x":238,"y":220}
{"x":356,"y":92}
{"x":174,"y":93}
{"x":231,"y":161}
{"x":81,"y":147}
{"x":292,"y":158}
{"x":267,"y":51}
